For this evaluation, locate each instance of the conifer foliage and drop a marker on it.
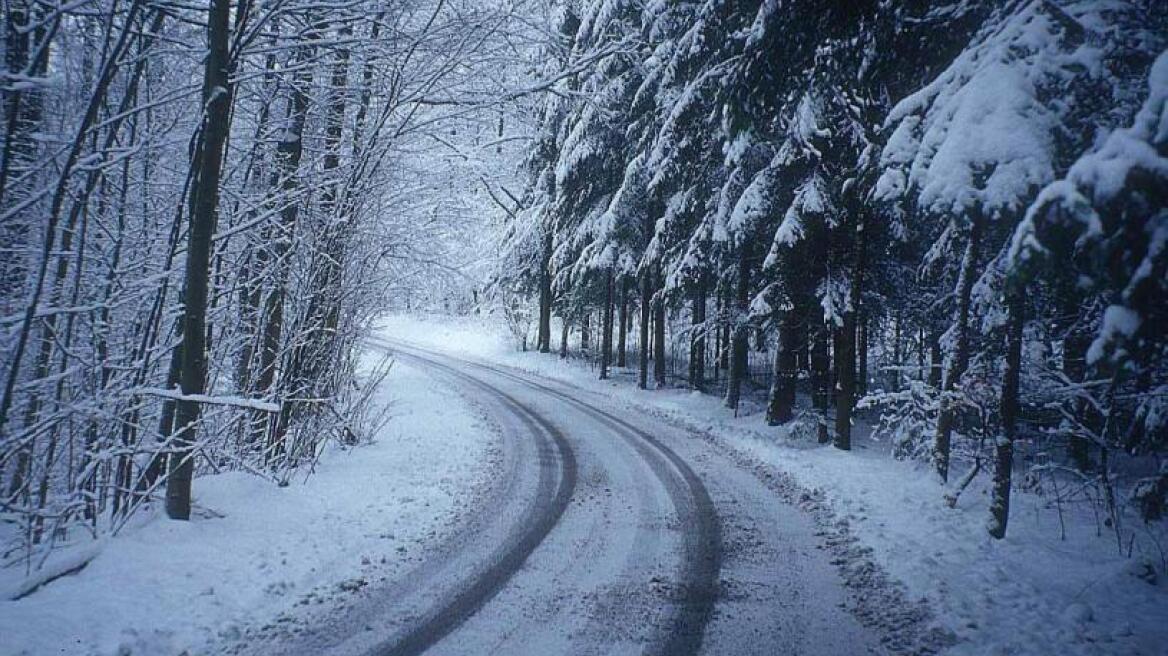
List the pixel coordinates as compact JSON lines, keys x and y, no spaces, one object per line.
{"x":949,"y":216}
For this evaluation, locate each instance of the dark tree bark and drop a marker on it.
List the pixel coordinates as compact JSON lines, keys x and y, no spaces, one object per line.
{"x":659,"y":335}
{"x":697,"y":349}
{"x":544,"y":333}
{"x":1075,"y":344}
{"x":936,"y":360}
{"x":285,"y":178}
{"x":894,"y":375}
{"x":922,"y":340}
{"x":845,"y":357}
{"x":17,"y":52}
{"x":821,"y":376}
{"x":960,"y":360}
{"x":719,"y":345}
{"x":564,"y":330}
{"x":257,"y":261}
{"x":820,"y":364}
{"x":606,"y":330}
{"x":845,"y":361}
{"x":21,"y":146}
{"x":643,"y":351}
{"x":862,"y":356}
{"x":585,"y":331}
{"x":623,"y":333}
{"x":26,"y":52}
{"x":319,"y":346}
{"x":834,"y":370}
{"x":804,"y":349}
{"x":781,"y":408}
{"x":649,"y":344}
{"x":1004,"y":449}
{"x":158,"y":463}
{"x":739,"y":345}
{"x":724,"y":329}
{"x":204,"y":205}
{"x":27,"y":121}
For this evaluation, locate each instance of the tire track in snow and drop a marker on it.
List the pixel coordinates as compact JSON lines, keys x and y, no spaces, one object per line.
{"x":554,"y":454}
{"x":698,"y":517}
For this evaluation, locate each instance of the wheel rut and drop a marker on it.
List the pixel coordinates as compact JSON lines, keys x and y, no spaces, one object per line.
{"x":555,"y":453}
{"x":697,"y":595}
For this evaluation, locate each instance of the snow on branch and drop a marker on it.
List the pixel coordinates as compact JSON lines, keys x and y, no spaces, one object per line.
{"x":236,"y":401}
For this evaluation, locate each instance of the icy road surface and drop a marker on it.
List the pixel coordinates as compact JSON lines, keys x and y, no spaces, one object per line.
{"x":606,"y":532}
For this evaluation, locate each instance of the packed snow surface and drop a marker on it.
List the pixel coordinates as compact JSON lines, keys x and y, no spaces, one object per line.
{"x":253,"y":549}
{"x":1032,"y":593}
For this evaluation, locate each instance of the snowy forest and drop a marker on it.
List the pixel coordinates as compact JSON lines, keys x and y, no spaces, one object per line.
{"x":931,"y":235}
{"x":947,"y":215}
{"x":192,"y":249}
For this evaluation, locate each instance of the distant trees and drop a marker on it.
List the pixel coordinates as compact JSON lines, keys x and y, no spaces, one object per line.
{"x":846,"y":181}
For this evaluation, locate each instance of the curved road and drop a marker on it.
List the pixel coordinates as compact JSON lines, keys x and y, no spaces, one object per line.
{"x":606,"y":532}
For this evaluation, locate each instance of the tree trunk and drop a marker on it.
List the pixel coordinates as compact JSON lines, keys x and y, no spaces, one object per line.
{"x":718,"y":344}
{"x":845,"y":361}
{"x":845,"y":357}
{"x":158,"y":462}
{"x":285,"y":179}
{"x":564,"y":330}
{"x":781,"y":408}
{"x":1075,"y":344}
{"x":659,"y":336}
{"x":544,"y":334}
{"x":622,"y":334}
{"x":957,"y":365}
{"x":643,"y":351}
{"x":697,"y":349}
{"x":936,"y":361}
{"x":820,"y":363}
{"x":821,"y":377}
{"x":862,"y":346}
{"x":649,"y":344}
{"x":804,"y":350}
{"x":606,"y":329}
{"x":834,"y":370}
{"x":1004,"y":449}
{"x":23,"y":115}
{"x":585,"y":332}
{"x":61,"y":188}
{"x":894,"y":375}
{"x":739,"y":345}
{"x":318,"y":347}
{"x":204,"y":205}
{"x":922,"y":340}
{"x":724,"y":329}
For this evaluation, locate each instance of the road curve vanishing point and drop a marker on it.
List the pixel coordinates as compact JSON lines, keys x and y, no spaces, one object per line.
{"x":454,"y":610}
{"x":597,"y":531}
{"x":701,"y":531}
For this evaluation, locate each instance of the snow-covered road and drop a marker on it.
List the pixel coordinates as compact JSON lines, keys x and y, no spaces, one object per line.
{"x":607,"y":532}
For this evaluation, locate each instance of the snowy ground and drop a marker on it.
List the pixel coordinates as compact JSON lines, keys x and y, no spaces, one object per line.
{"x":1032,"y":593}
{"x":254,"y":550}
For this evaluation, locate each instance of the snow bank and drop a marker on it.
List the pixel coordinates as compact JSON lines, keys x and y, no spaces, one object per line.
{"x":1031,"y":593}
{"x":254,"y":549}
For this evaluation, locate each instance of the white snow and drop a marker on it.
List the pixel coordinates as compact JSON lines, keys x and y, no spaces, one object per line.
{"x":1105,"y":171}
{"x":1031,"y":593}
{"x":980,"y":134}
{"x":236,"y":401}
{"x":752,"y":205}
{"x":254,"y":549}
{"x":1118,"y":321}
